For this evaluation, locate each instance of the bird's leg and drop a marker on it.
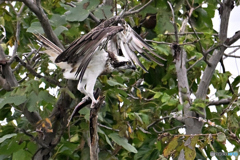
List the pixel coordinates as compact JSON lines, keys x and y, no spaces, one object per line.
{"x":89,"y":89}
{"x":81,"y":88}
{"x":89,"y":85}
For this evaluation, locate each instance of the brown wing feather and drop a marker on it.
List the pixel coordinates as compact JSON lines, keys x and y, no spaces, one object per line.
{"x":92,"y":46}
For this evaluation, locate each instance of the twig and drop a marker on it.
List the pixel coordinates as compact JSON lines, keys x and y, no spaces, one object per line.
{"x":212,"y":48}
{"x":186,"y":33}
{"x":224,"y":71}
{"x":233,"y":56}
{"x":144,"y":131}
{"x":155,"y":122}
{"x":187,"y":43}
{"x":18,"y":28}
{"x":230,"y":104}
{"x":200,"y":44}
{"x":229,"y":54}
{"x":147,"y":40}
{"x":166,"y":43}
{"x":138,"y":10}
{"x":33,"y":72}
{"x":109,"y":128}
{"x":33,"y":138}
{"x":171,"y":129}
{"x":173,"y":21}
{"x":23,"y":79}
{"x":192,"y":58}
{"x":94,"y":18}
{"x":220,"y":102}
{"x":18,"y":65}
{"x":233,"y":46}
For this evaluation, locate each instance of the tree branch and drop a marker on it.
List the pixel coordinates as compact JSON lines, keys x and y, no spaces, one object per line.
{"x":137,"y":10}
{"x":33,"y":72}
{"x":233,"y":39}
{"x":220,"y":102}
{"x":224,"y":71}
{"x":93,"y":128}
{"x":18,"y":28}
{"x":155,"y":122}
{"x":43,"y":19}
{"x":173,"y":21}
{"x":217,"y":53}
{"x":32,"y":117}
{"x":180,"y":55}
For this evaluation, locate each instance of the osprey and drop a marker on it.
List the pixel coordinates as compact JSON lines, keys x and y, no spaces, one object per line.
{"x":112,"y":45}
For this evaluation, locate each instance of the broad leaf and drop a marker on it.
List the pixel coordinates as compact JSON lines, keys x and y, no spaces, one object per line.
{"x":7,"y":137}
{"x":122,"y":142}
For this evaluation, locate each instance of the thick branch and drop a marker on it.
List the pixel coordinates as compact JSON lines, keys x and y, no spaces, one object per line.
{"x":32,"y":117}
{"x":93,"y":128}
{"x":180,"y":55}
{"x":217,"y":54}
{"x":43,"y":19}
{"x":233,"y":39}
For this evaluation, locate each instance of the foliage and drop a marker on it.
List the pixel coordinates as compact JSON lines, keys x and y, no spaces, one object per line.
{"x":133,"y":100}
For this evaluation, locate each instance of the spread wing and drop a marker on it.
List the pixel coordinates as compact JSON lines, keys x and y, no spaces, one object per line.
{"x":84,"y":48}
{"x":131,"y":44}
{"x":114,"y":35}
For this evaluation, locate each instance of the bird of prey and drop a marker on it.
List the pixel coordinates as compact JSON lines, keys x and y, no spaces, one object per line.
{"x":112,"y":45}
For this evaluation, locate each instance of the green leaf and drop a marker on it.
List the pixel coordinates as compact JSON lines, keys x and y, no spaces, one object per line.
{"x":17,"y":100}
{"x":93,"y":5}
{"x":75,"y":138}
{"x":236,"y":81}
{"x":59,"y":30}
{"x":78,"y":13}
{"x":58,"y":20}
{"x":106,"y":137}
{"x":138,"y":118}
{"x":114,"y":83}
{"x":31,"y":102}
{"x":3,"y":138}
{"x":45,"y":96}
{"x":221,"y":137}
{"x":21,"y":154}
{"x":2,"y":21}
{"x":12,"y":146}
{"x":66,"y":90}
{"x":189,"y":149}
{"x":222,"y":94}
{"x":163,"y":22}
{"x":35,"y":28}
{"x":32,"y":147}
{"x":105,"y":9}
{"x":157,"y":95}
{"x":171,"y":146}
{"x":122,"y":142}
{"x":180,"y":107}
{"x":165,"y":98}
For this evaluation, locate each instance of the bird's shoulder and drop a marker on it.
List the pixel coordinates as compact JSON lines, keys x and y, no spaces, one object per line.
{"x":88,"y":42}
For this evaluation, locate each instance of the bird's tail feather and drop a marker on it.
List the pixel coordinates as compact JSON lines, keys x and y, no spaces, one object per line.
{"x":52,"y":50}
